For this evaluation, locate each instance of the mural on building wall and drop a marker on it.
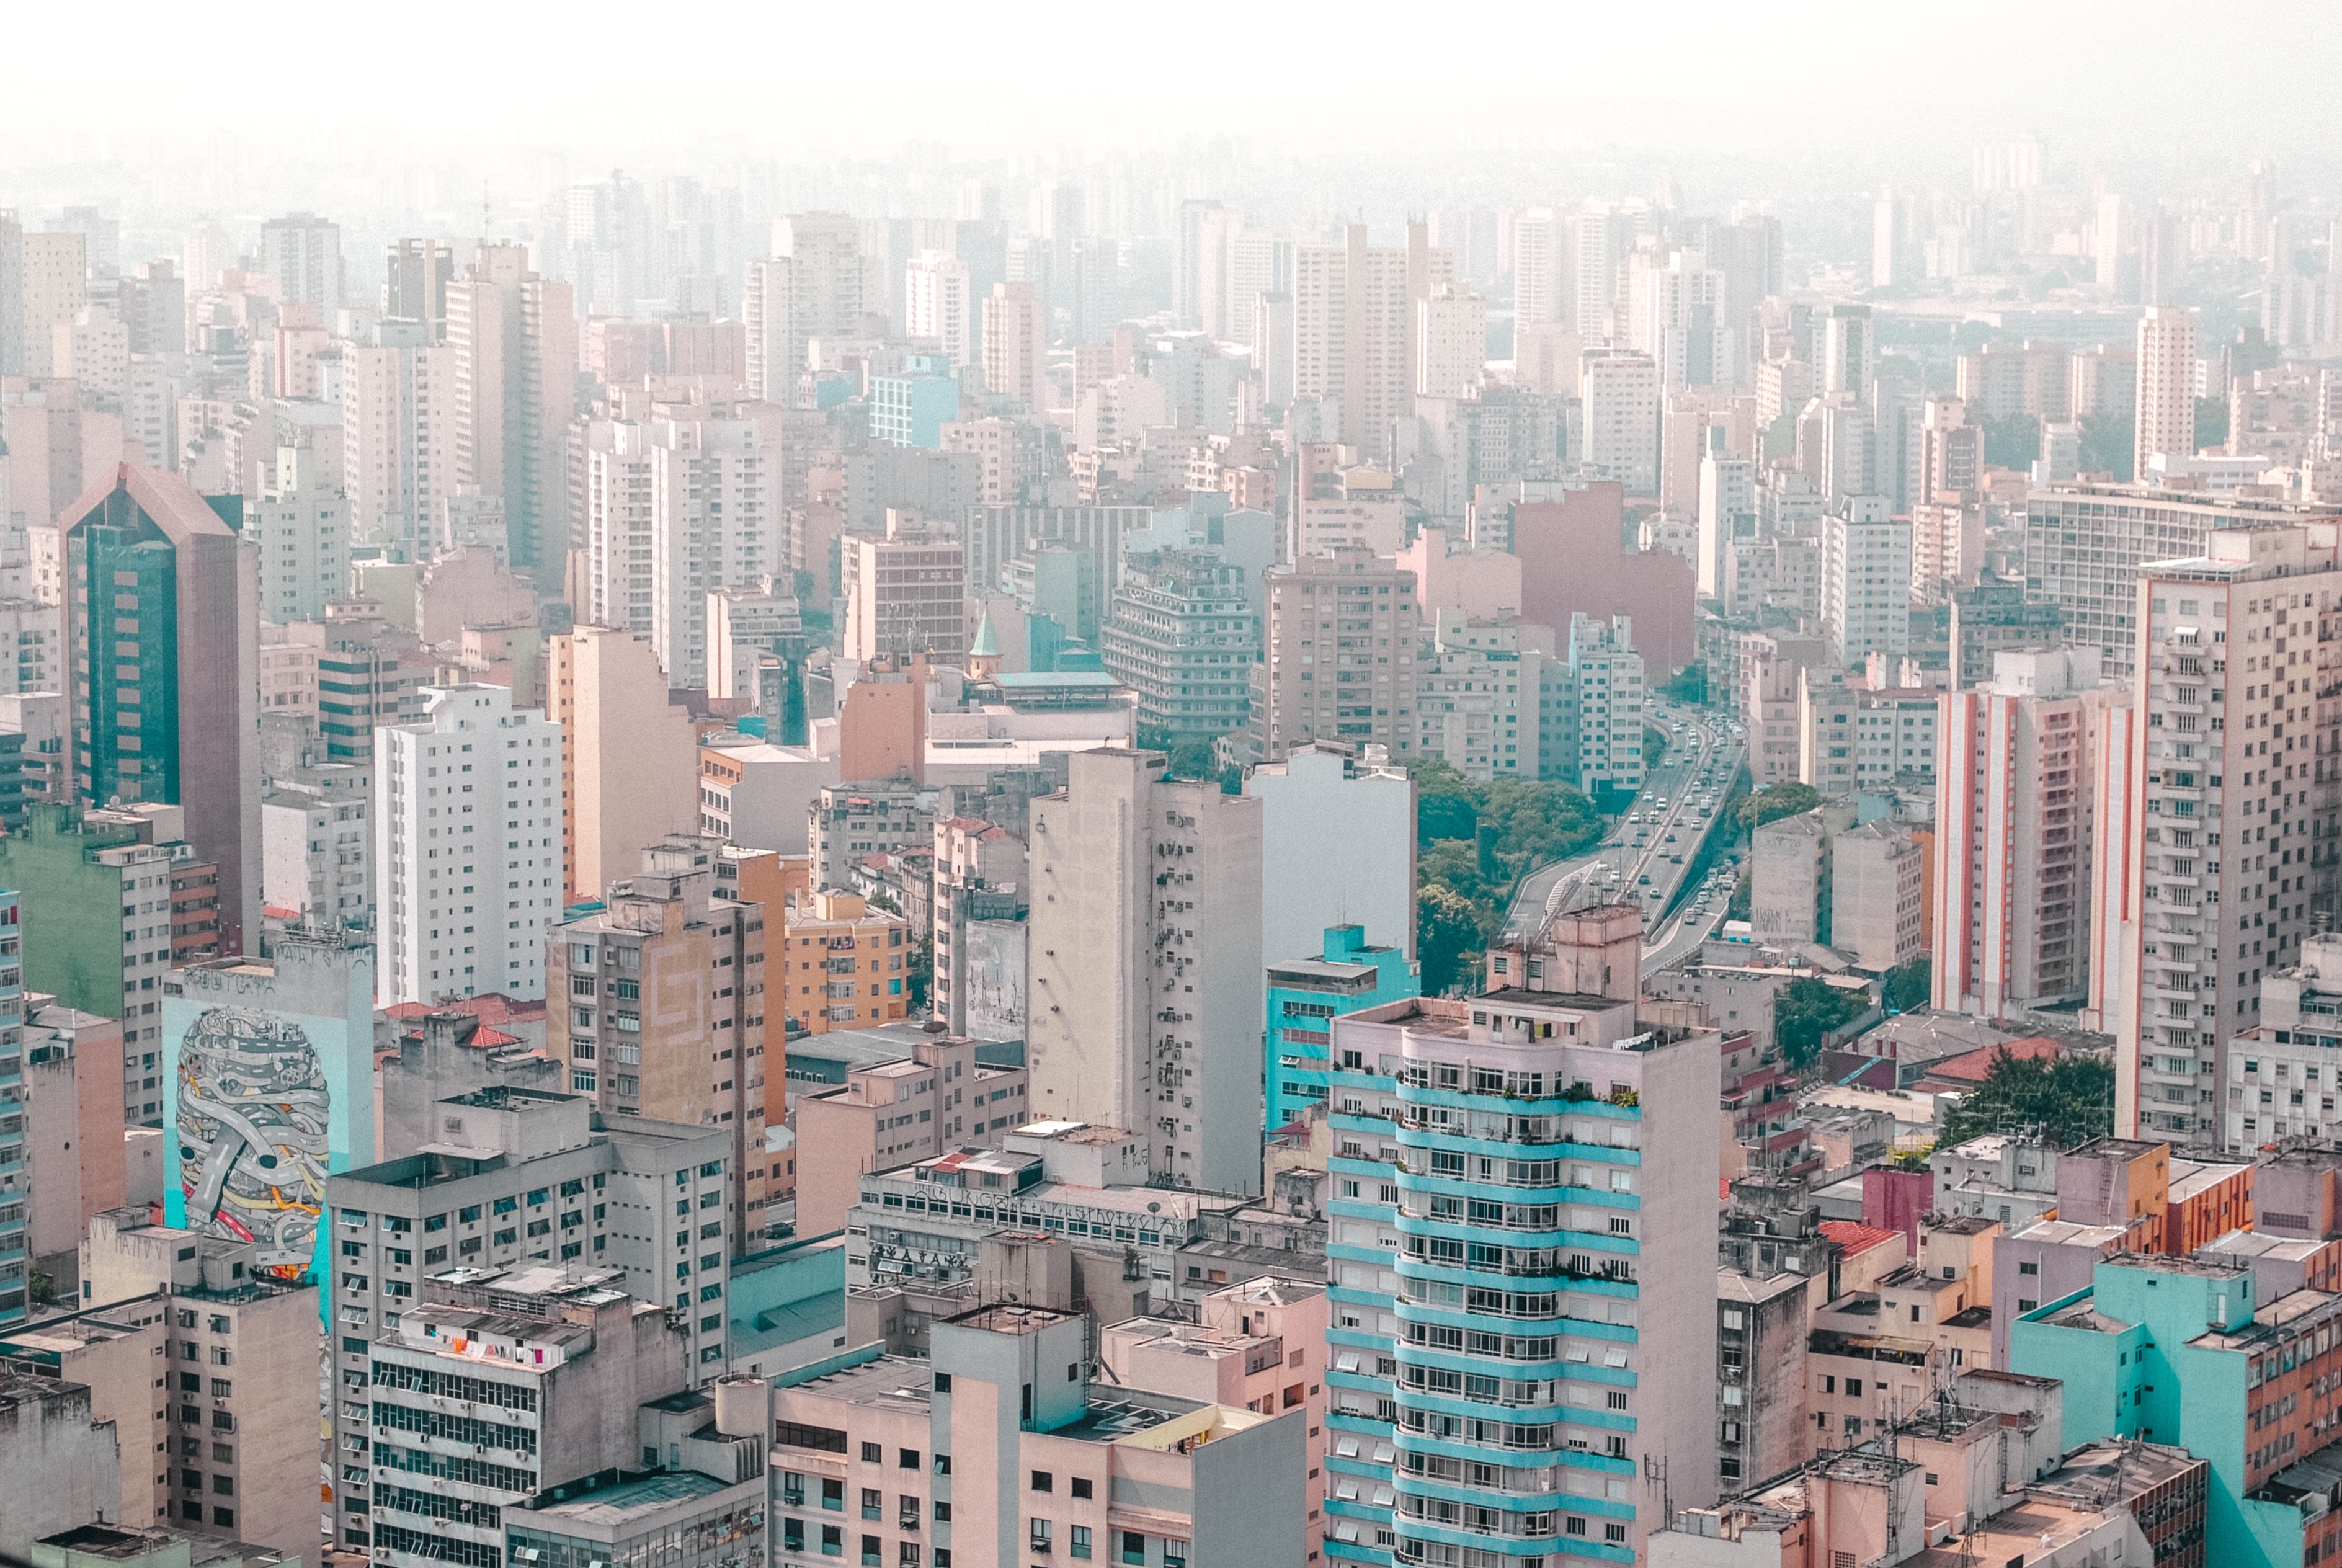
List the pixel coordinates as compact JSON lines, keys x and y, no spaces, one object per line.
{"x":253,"y":1113}
{"x":270,"y":1065}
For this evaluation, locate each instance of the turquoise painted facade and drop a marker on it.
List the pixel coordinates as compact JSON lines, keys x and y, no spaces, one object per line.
{"x":911,"y":409}
{"x":1306,"y":995}
{"x":2171,"y":1351}
{"x":16,"y":1261}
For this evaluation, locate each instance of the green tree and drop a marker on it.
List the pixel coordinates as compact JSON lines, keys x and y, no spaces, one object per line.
{"x":1773,"y":804}
{"x":1689,"y":684}
{"x":921,"y":975}
{"x":1655,"y":746}
{"x":1446,"y":803}
{"x":1738,"y":908}
{"x":1446,"y":936}
{"x":1909,"y":985}
{"x":1191,"y":758}
{"x":1808,"y":1008}
{"x":2211,"y":422}
{"x":2109,"y":443}
{"x":2012,"y":441}
{"x":2069,"y":1099}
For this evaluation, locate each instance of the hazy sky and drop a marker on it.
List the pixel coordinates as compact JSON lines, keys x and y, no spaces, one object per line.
{"x":2159,"y":76}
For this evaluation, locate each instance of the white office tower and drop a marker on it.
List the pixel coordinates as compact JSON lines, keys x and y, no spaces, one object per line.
{"x":467,"y":846}
{"x":1597,"y":239}
{"x":1451,"y":341}
{"x":1675,"y":308}
{"x":303,"y":252}
{"x":2221,"y":878}
{"x":300,"y":526}
{"x":1555,"y":1181}
{"x":810,"y":286}
{"x":715,"y":519}
{"x":1866,"y":579}
{"x":398,"y":430}
{"x":1727,"y":510}
{"x":1544,"y":273}
{"x":936,"y":308}
{"x":1146,"y":965}
{"x":1622,"y":419}
{"x":1353,"y":329}
{"x":2166,"y":386}
{"x":620,"y":527}
{"x":2017,"y":761}
{"x":1849,"y":351}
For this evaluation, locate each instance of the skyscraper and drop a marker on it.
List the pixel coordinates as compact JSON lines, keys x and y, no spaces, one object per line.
{"x":936,"y":307}
{"x":2017,"y":765}
{"x":1866,"y":579}
{"x":163,"y":595}
{"x":2166,"y":386}
{"x":1354,"y":328}
{"x":2222,"y":857}
{"x":1016,"y":345}
{"x":464,"y":801}
{"x":1146,"y":964}
{"x":810,"y":286}
{"x":303,"y":252}
{"x":1351,"y":616}
{"x":514,"y":341}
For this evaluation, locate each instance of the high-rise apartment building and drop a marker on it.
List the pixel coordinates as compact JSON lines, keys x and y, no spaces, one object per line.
{"x":303,"y":252}
{"x":1476,"y":701}
{"x":2166,"y":386}
{"x":551,"y":1358}
{"x":1146,"y":964}
{"x":1866,"y":579}
{"x":1601,"y":727}
{"x":661,"y":998}
{"x":905,"y":593}
{"x":153,"y":573}
{"x":56,"y":291}
{"x":1440,"y":1124}
{"x":514,"y":337}
{"x":1181,"y":633}
{"x":398,"y":427}
{"x":1451,"y":341}
{"x":1354,"y":328}
{"x":1728,"y":511}
{"x":846,"y":964}
{"x":104,"y":880}
{"x":716,"y":510}
{"x":936,"y":307}
{"x":629,"y":767}
{"x":300,"y":526}
{"x":2084,"y":545}
{"x":467,"y":797}
{"x":415,"y":275}
{"x":811,"y":286}
{"x":1016,"y":345}
{"x":1341,"y":639}
{"x":2013,"y":833}
{"x":2219,"y":881}
{"x":1622,"y":420}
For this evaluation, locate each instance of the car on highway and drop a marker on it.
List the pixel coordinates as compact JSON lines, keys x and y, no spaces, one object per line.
{"x":1644,"y":880}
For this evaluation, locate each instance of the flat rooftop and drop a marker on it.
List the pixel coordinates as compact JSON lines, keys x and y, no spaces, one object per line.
{"x":618,"y":1505}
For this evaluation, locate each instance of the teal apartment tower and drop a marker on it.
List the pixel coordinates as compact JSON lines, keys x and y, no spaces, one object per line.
{"x":1524,"y":1196}
{"x":1304,"y":995}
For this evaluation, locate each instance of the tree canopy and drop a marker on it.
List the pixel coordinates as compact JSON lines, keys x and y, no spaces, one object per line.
{"x":1806,"y":1009}
{"x":2069,"y":1100}
{"x":1472,"y":843}
{"x":1910,"y":985}
{"x":1773,"y":804}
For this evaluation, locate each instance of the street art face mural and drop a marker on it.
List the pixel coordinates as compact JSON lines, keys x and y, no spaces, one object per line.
{"x":252,"y":1108}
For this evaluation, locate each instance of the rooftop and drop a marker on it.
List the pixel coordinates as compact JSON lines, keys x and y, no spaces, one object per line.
{"x":630,"y":1494}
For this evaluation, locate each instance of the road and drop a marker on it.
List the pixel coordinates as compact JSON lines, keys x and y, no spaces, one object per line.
{"x":1701,"y":759}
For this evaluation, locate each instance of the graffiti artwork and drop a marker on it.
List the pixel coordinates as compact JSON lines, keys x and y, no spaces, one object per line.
{"x":253,"y":1107}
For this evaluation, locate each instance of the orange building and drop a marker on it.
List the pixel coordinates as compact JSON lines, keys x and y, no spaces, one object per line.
{"x":882,"y":730}
{"x":2208,"y":1201}
{"x":845,"y":964}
